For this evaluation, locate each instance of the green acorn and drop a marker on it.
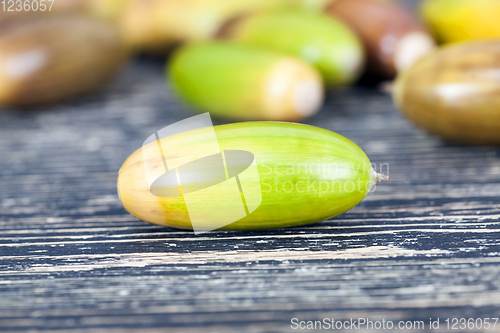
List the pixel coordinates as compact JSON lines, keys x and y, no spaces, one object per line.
{"x":325,"y":43}
{"x":244,"y":83}
{"x":288,"y":175}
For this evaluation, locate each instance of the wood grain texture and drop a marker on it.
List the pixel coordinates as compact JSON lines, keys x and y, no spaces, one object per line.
{"x":425,"y":244}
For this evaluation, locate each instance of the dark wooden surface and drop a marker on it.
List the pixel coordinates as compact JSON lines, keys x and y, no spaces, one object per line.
{"x":424,"y":245}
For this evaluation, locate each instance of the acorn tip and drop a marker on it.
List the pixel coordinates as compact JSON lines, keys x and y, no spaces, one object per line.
{"x":382,"y":178}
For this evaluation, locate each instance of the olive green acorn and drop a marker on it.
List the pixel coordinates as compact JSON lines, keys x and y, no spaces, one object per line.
{"x":303,"y":174}
{"x":244,"y":83}
{"x":455,"y":93}
{"x":324,"y":42}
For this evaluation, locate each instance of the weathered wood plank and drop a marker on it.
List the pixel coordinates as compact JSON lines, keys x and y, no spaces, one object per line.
{"x":424,"y":245}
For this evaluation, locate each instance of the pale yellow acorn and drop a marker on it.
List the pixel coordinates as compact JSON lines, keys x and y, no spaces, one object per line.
{"x":156,"y":26}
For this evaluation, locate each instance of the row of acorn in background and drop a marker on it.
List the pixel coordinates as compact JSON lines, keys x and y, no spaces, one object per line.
{"x":266,"y":60}
{"x":275,"y":65}
{"x":51,"y":44}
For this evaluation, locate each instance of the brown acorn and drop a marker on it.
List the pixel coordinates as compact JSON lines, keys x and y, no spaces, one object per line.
{"x":455,"y":93}
{"x":393,"y":38}
{"x":47,"y":59}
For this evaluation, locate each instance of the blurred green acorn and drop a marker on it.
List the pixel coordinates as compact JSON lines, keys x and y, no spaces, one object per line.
{"x":454,"y":21}
{"x":240,"y":82}
{"x":325,"y":43}
{"x":105,"y":9}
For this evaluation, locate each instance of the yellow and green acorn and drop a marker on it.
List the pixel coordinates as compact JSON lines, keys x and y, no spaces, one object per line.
{"x":305,"y":175}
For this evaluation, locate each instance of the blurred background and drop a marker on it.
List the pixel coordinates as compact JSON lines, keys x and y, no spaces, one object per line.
{"x":276,"y":59}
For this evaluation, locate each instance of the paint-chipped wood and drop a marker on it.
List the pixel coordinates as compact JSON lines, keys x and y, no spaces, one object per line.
{"x":424,"y":245}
